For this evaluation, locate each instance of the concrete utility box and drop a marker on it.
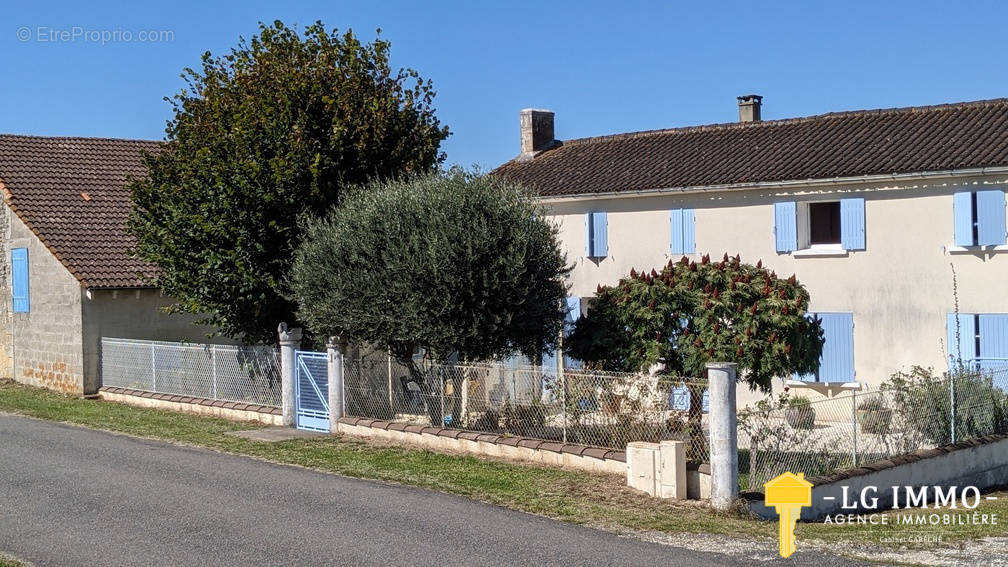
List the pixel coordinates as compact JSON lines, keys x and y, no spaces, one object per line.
{"x":657,"y":469}
{"x":672,"y":470}
{"x":642,"y":459}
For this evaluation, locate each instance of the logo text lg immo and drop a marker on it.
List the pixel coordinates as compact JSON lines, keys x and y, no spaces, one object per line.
{"x":913,"y":497}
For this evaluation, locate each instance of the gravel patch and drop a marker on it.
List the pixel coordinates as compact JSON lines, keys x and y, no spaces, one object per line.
{"x":989,"y":552}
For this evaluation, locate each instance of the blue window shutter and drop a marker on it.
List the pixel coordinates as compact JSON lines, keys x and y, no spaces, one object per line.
{"x":573,"y":311}
{"x":682,"y":231}
{"x":689,"y":231}
{"x":549,"y":362}
{"x":19,"y":280}
{"x":962,"y":209}
{"x":785,"y":226}
{"x":963,"y":345}
{"x":596,"y":228}
{"x":852,"y":224}
{"x":676,"y":231}
{"x":991,"y":217}
{"x":571,"y":314}
{"x":600,"y":229}
{"x":993,"y":335}
{"x":837,"y":361}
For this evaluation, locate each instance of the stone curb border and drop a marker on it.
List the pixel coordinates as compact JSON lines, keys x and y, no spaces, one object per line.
{"x":492,"y":438}
{"x":237,"y":411}
{"x":240,"y":406}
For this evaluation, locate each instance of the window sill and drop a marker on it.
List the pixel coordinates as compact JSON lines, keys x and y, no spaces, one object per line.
{"x":976,"y":249}
{"x":820,"y":251}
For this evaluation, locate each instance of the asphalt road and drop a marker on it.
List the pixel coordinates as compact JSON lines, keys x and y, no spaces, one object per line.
{"x":72,"y":496}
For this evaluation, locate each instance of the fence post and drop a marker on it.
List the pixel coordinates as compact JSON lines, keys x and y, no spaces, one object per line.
{"x":952,"y":406}
{"x":391,"y":409}
{"x":153,"y":369}
{"x":723,"y":434}
{"x":213,"y":365}
{"x":441,"y":389}
{"x":290,"y":341}
{"x":464,"y":417}
{"x":562,"y":382}
{"x":334,"y":350}
{"x":854,"y":421}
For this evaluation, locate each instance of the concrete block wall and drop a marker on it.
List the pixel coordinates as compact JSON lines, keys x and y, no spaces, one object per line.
{"x":132,"y":314}
{"x":6,"y":370}
{"x":981,"y":462}
{"x":45,"y":343}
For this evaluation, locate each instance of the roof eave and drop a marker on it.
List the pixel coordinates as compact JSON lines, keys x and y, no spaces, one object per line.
{"x":821,"y":182}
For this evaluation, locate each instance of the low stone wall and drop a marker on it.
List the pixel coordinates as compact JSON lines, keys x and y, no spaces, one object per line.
{"x":698,"y":481}
{"x":537,"y":451}
{"x":980,"y":462}
{"x":237,"y":411}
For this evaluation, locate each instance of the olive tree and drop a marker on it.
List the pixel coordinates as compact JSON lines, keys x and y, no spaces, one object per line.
{"x":458,"y":264}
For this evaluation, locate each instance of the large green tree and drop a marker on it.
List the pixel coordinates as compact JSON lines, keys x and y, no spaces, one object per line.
{"x":459,"y":264}
{"x":279,"y":127}
{"x":692,"y":313}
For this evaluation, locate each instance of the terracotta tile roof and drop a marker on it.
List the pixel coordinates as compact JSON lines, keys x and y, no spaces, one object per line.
{"x":71,"y":193}
{"x":842,"y":144}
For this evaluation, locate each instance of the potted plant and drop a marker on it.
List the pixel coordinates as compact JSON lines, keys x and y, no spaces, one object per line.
{"x":874,"y":416}
{"x":800,"y":414}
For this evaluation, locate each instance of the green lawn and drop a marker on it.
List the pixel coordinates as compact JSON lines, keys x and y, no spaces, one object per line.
{"x":584,"y":498}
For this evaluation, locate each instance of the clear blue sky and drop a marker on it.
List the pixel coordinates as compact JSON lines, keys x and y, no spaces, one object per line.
{"x":604,"y":67}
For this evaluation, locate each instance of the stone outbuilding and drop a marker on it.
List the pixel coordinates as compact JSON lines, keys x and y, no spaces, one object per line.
{"x":68,"y":277}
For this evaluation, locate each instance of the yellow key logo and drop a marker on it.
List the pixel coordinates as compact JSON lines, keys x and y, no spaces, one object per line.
{"x":788,"y":493}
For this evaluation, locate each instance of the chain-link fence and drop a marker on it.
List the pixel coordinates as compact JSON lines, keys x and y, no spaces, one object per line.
{"x":248,"y":374}
{"x":911,"y":411}
{"x":603,"y":409}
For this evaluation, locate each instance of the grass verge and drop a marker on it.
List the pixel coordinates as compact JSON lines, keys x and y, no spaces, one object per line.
{"x":578,"y":497}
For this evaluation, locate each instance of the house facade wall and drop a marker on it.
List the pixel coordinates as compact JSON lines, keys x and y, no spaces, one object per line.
{"x":45,"y":343}
{"x":899,"y":288}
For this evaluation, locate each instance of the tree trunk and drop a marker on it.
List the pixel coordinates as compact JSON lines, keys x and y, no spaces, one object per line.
{"x":428,"y":391}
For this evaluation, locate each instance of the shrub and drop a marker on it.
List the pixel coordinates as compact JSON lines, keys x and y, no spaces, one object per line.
{"x":774,"y":449}
{"x":922,"y":400}
{"x":800,"y":414}
{"x":874,"y":417}
{"x":524,"y":420}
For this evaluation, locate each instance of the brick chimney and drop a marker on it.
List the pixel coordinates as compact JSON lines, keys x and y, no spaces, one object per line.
{"x":749,"y":108}
{"x":536,"y":131}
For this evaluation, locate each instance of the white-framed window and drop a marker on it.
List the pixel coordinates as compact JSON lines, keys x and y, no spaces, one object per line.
{"x":819,"y":226}
{"x":979,"y":218}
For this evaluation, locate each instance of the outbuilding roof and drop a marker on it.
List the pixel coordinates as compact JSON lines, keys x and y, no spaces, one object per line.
{"x":841,"y":144}
{"x":71,"y":193}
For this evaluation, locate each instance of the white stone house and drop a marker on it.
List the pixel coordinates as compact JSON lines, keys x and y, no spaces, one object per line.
{"x":891,"y":218}
{"x":68,"y":278}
